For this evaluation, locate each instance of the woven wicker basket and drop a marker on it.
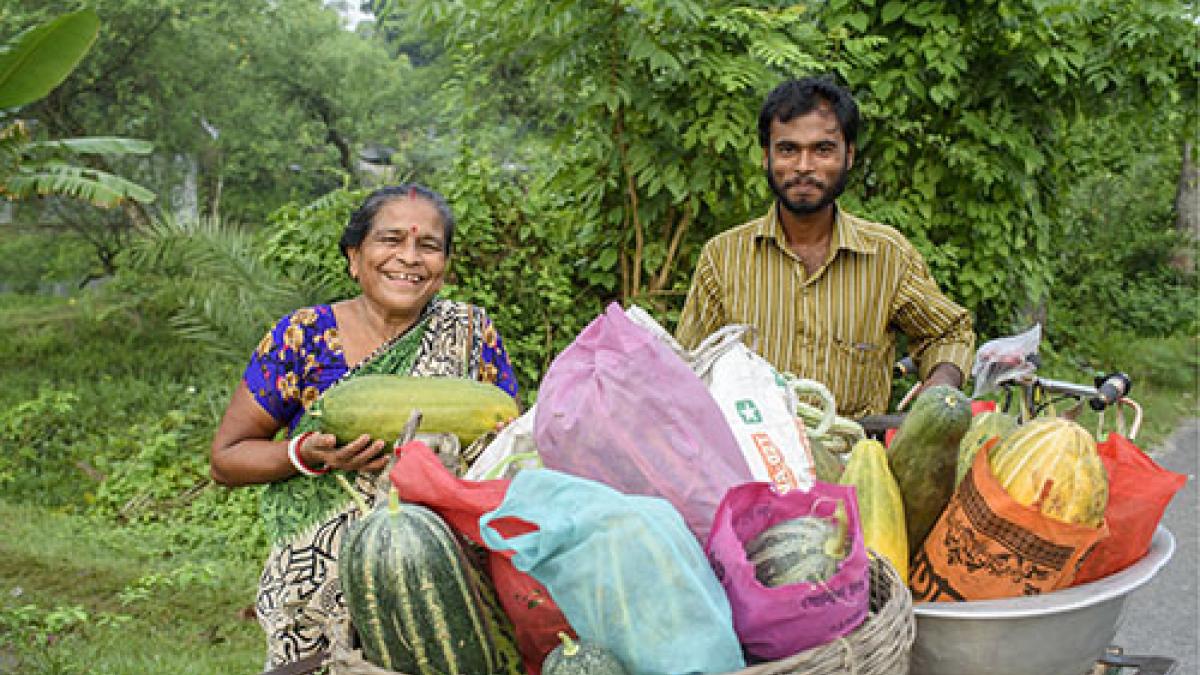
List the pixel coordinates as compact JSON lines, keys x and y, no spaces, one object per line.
{"x":879,"y":646}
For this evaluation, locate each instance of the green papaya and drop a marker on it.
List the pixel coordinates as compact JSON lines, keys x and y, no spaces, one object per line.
{"x":923,"y":456}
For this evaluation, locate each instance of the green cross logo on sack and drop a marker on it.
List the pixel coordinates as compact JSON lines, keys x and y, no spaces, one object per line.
{"x":748,"y":411}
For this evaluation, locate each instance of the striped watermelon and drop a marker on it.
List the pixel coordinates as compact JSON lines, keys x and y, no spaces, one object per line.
{"x":410,"y":594}
{"x":1052,"y":465}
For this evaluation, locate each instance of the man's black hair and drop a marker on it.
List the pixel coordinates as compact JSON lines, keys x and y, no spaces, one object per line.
{"x":796,"y":97}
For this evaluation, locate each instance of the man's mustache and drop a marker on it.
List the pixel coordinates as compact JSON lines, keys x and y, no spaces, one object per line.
{"x":812,"y":182}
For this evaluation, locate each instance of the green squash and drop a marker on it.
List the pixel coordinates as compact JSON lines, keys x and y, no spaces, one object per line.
{"x":984,"y":427}
{"x":380,"y":405}
{"x":806,"y":549}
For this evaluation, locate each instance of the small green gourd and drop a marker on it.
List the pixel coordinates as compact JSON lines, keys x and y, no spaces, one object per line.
{"x":581,"y":658}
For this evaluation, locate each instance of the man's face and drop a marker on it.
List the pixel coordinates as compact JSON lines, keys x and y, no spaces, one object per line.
{"x":807,"y":161}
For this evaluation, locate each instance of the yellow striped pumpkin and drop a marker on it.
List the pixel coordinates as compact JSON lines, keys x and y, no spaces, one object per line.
{"x":1051,"y":464}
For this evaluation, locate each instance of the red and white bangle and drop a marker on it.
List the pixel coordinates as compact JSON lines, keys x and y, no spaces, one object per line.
{"x":293,"y":453}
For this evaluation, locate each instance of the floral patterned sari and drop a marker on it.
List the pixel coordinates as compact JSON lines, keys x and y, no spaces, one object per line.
{"x":306,"y":517}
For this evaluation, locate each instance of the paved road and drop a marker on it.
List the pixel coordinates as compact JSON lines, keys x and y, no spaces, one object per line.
{"x":1163,"y":617}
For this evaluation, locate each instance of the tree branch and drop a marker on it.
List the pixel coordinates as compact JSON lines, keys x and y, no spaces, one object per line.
{"x":664,"y":271}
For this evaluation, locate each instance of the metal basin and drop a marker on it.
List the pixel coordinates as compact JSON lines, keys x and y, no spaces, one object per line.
{"x":1059,"y":633}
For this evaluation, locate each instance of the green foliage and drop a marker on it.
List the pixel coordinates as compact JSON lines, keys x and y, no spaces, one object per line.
{"x":38,"y":435}
{"x":76,"y":588}
{"x":220,"y":289}
{"x":32,"y":64}
{"x":39,"y":59}
{"x":302,"y":238}
{"x":515,"y":257}
{"x":119,"y":424}
{"x":967,"y":115}
{"x":29,"y":261}
{"x":966,"y":108}
{"x":1164,"y":363}
{"x":257,"y":103}
{"x":654,"y":111}
{"x":1117,"y":276}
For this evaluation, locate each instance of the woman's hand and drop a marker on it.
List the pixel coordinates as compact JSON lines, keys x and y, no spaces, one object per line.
{"x":361,"y":454}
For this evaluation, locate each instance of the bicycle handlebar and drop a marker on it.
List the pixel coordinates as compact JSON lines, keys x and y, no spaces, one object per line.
{"x":1107,"y":390}
{"x":1110,"y":389}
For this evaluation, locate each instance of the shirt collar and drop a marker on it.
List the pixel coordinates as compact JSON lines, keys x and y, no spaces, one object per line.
{"x":847,"y":233}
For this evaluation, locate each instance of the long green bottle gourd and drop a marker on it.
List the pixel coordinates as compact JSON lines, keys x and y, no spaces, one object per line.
{"x":380,"y":405}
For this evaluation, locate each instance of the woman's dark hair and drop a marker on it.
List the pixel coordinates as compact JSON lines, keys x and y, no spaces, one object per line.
{"x":360,"y":221}
{"x":799,"y":97}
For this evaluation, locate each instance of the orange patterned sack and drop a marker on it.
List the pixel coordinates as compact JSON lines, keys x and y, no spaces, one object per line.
{"x":986,"y":545}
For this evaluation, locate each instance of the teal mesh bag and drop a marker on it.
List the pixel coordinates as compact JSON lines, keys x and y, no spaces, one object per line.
{"x":625,"y":570}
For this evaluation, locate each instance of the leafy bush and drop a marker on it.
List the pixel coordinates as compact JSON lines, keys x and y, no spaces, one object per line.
{"x":39,"y":435}
{"x":118,"y":423}
{"x":1114,"y":274}
{"x":30,"y":261}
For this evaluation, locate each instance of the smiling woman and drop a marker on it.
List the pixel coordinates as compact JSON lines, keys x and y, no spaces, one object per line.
{"x":397,"y":247}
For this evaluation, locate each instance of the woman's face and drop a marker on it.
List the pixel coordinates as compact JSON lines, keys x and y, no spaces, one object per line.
{"x":401,"y":262}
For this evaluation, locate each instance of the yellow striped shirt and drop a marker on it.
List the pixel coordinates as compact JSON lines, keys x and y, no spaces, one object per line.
{"x":839,"y":325}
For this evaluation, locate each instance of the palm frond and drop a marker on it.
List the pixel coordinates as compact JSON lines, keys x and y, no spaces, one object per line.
{"x":225,"y":295}
{"x":97,"y":145}
{"x":97,"y":187}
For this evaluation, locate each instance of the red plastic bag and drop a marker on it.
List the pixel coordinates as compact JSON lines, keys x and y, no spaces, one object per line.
{"x":420,"y":477}
{"x":1138,"y":493}
{"x":776,"y":622}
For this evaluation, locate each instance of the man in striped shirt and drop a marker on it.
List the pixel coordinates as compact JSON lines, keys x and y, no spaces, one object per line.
{"x":826,"y":291}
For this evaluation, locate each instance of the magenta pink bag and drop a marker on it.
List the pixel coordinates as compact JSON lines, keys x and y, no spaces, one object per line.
{"x":774,"y":623}
{"x":619,"y":407}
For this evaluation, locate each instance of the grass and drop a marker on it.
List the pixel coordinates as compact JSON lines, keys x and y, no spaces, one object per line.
{"x":74,"y":602}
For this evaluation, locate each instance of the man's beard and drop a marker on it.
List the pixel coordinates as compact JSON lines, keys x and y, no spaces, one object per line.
{"x":828,"y":194}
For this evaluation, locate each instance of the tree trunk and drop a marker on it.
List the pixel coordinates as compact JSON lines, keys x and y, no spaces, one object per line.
{"x":1187,"y":211}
